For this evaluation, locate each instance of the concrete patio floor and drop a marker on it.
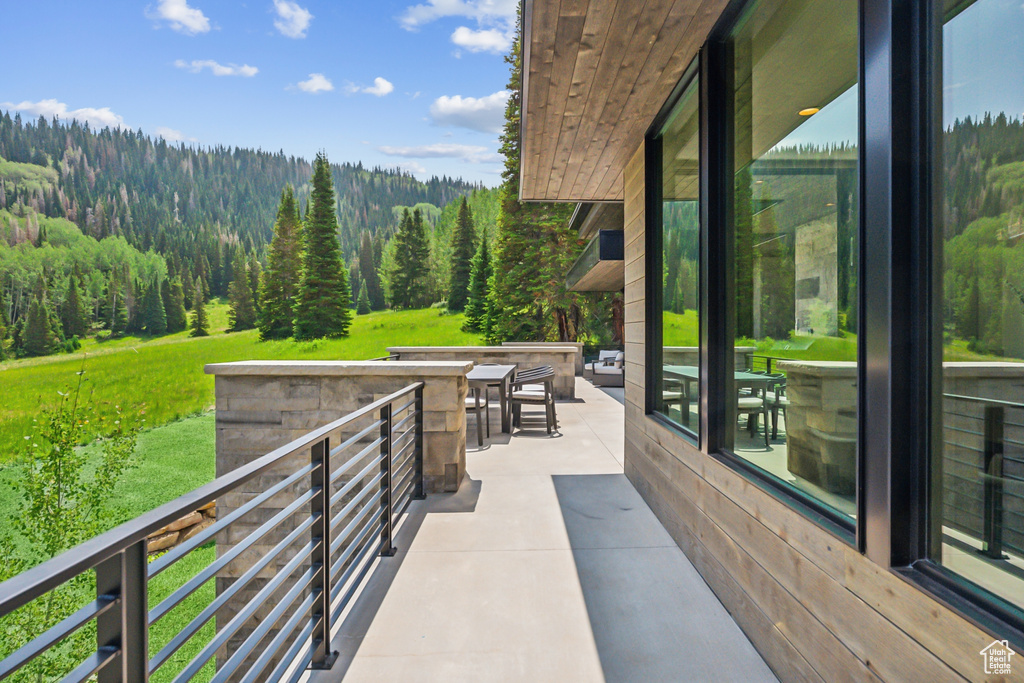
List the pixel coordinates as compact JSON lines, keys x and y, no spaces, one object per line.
{"x":545,"y":566}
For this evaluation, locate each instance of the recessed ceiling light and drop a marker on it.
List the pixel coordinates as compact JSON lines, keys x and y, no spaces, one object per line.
{"x":830,"y":204}
{"x":810,"y":111}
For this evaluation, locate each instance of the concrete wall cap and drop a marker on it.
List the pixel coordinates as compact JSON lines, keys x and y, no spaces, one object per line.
{"x":486,"y":349}
{"x":341,"y":368}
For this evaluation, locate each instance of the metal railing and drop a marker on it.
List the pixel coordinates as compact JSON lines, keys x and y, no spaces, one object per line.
{"x":390,"y":356}
{"x":765,"y":363}
{"x":347,"y":482}
{"x":983,"y":472}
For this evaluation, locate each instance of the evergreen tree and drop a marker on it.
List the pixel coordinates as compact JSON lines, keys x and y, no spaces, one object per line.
{"x":73,"y":315}
{"x":188,"y":290}
{"x":323,"y":300}
{"x":4,"y":329}
{"x":368,"y":268}
{"x":200,"y":325}
{"x":744,"y":222}
{"x":363,"y":305}
{"x":527,"y":295}
{"x":242,"y":315}
{"x":279,"y":283}
{"x":174,"y":306}
{"x":153,"y":313}
{"x":411,"y":264}
{"x":478,"y":306}
{"x":118,"y":309}
{"x":255,"y":273}
{"x":38,"y":337}
{"x":463,"y":251}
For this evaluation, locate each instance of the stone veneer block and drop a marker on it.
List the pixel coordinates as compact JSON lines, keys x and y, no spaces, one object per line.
{"x":561,"y":358}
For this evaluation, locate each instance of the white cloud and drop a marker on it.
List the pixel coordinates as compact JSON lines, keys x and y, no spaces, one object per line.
{"x":380,"y":87}
{"x":486,"y":12}
{"x":292,"y":20}
{"x":484,"y":40}
{"x":316,"y":83}
{"x":172,"y":135}
{"x":97,"y":118}
{"x":412,"y":167}
{"x":442,"y":150}
{"x":484,"y":114}
{"x":180,"y":16}
{"x":197,"y":65}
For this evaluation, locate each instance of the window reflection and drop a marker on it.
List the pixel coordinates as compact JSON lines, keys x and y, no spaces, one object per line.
{"x":795,"y":220}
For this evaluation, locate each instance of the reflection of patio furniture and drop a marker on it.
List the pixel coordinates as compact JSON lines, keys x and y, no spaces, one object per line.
{"x":609,"y":370}
{"x":749,"y":385}
{"x":754,"y":407}
{"x":534,"y":387}
{"x":777,"y":400}
{"x":674,"y":393}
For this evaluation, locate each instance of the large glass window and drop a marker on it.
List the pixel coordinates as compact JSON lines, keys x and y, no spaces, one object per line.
{"x":677,"y":381}
{"x":979,"y":464}
{"x":793,"y":395}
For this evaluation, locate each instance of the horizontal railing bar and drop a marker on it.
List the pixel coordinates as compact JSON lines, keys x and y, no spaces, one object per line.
{"x":395,"y":411}
{"x":372,"y":526}
{"x":403,"y":483}
{"x":281,"y":639}
{"x":407,"y":432}
{"x":398,"y":425}
{"x":373,"y":466}
{"x":371,"y":550}
{"x":370,"y":448}
{"x":99,"y":659}
{"x":401,"y":451}
{"x":25,"y":587}
{"x":210,"y":610}
{"x":55,"y":634}
{"x":208,"y":573}
{"x":371,"y":505}
{"x":370,"y":487}
{"x":987,"y":401}
{"x":408,"y":460}
{"x":355,"y":439}
{"x":400,"y":506}
{"x":303,"y":664}
{"x":165,"y":561}
{"x":304,"y":638}
{"x":246,"y":647}
{"x":246,"y":613}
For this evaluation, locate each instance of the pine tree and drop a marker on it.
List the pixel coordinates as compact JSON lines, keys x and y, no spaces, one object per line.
{"x":279,"y":283}
{"x":368,"y":272}
{"x":200,"y":326}
{"x":38,"y":337}
{"x":463,"y":251}
{"x":255,"y":273}
{"x":242,"y":315}
{"x":323,"y":300}
{"x":4,"y":330}
{"x":118,"y":309}
{"x":174,"y":306}
{"x":153,"y":314}
{"x":411,"y":265}
{"x":478,"y":306}
{"x":363,"y":305}
{"x":73,"y":315}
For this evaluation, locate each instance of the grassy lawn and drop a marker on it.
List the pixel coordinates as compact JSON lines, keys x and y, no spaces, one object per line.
{"x":166,"y":373}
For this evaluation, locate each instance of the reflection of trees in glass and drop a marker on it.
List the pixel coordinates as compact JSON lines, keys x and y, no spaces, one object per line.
{"x":681,"y":247}
{"x":743,"y":220}
{"x":775,"y":256}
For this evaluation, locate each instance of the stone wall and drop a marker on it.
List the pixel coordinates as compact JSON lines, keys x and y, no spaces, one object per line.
{"x":561,"y":358}
{"x":262,"y":406}
{"x":690,"y":355}
{"x":182,"y":529}
{"x":577,"y":345}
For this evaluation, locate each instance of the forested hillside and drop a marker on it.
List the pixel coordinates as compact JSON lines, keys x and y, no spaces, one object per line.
{"x":169,"y":197}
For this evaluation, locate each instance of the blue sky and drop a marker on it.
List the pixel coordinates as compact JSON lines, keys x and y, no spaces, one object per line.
{"x":386,"y":82}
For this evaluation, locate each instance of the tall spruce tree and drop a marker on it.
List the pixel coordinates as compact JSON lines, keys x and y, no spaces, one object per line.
{"x":368,"y":272}
{"x":4,"y":331}
{"x":200,"y":325}
{"x":118,"y":308}
{"x":411,"y":264}
{"x":280,"y":281}
{"x":73,"y":316}
{"x":255,"y":273}
{"x":323,"y":300}
{"x":153,"y":313}
{"x":174,"y":306}
{"x":37,"y":336}
{"x":528,"y":296}
{"x":478,"y":306}
{"x":242,"y":315}
{"x":363,"y":304}
{"x":463,"y":251}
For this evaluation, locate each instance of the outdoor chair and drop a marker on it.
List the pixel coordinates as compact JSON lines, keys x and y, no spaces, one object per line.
{"x":535,"y":387}
{"x":777,"y":400}
{"x":609,"y":371}
{"x":754,"y":407}
{"x":673,"y":393}
{"x":481,"y":407}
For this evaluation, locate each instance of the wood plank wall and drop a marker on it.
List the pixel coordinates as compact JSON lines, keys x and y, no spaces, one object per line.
{"x":815,"y":608}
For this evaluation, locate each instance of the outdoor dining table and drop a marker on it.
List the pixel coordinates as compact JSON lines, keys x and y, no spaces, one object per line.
{"x":483,"y":376}
{"x":688,"y":374}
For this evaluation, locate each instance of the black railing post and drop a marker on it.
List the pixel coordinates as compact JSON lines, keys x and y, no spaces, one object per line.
{"x":126,"y":628}
{"x":993,"y":538}
{"x":320,"y":509}
{"x":386,"y":485}
{"x":418,"y":492}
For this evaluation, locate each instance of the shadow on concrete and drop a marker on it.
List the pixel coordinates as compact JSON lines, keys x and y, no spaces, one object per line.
{"x":652,"y":615}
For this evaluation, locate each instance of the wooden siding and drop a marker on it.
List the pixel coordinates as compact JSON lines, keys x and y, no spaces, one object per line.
{"x":595,"y":74}
{"x":815,"y":608}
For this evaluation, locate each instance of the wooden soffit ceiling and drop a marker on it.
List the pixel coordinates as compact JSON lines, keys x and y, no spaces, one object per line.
{"x":595,"y":73}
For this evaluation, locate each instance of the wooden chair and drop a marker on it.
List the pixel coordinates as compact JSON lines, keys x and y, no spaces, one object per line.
{"x":535,"y":387}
